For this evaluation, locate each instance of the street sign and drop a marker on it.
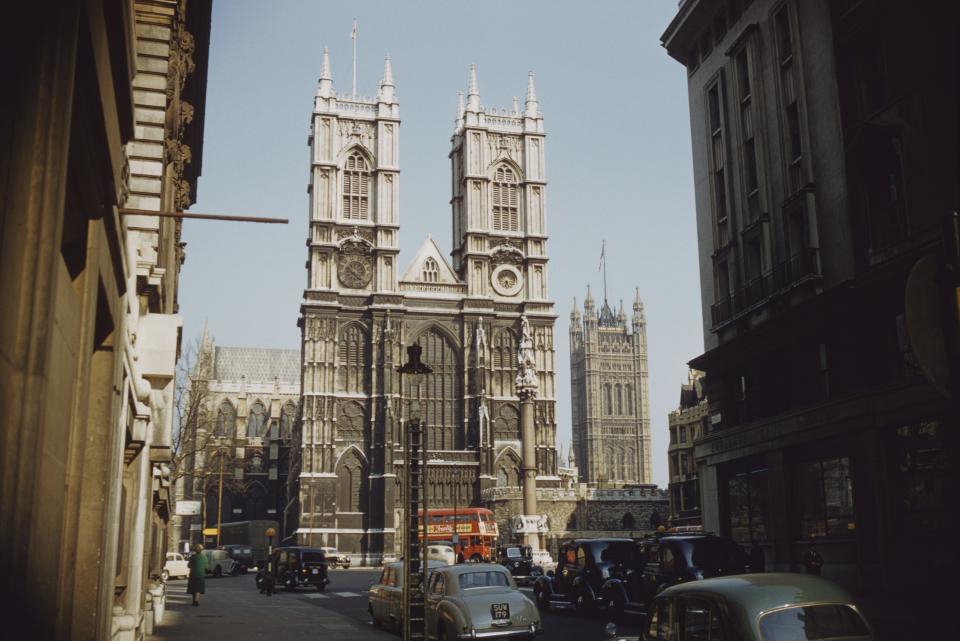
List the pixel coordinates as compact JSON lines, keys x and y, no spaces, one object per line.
{"x":188,"y":508}
{"x":530,"y":524}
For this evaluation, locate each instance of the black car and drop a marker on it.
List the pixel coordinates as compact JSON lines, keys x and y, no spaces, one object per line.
{"x":293,"y":567}
{"x":668,"y":560}
{"x":242,"y":554}
{"x":519,"y":560}
{"x":583,"y":567}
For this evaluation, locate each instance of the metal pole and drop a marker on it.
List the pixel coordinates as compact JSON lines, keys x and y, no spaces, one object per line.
{"x":220,"y":498}
{"x":199,"y":216}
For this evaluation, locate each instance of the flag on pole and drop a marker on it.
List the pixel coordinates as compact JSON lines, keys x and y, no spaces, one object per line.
{"x":603,"y":255}
{"x":353,"y":32}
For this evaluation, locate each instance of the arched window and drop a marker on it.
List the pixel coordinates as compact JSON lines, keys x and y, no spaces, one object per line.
{"x":629,"y":394}
{"x":572,"y":522}
{"x":503,"y":356}
{"x":608,"y":397}
{"x":619,"y":399}
{"x":352,"y":366}
{"x":508,"y":470}
{"x":227,"y":420}
{"x":255,"y":499}
{"x":431,"y":271}
{"x":356,"y":187}
{"x":506,"y":425}
{"x":621,"y":465}
{"x":441,"y":393}
{"x":505,"y":200}
{"x":627,"y":523}
{"x":287,"y":416}
{"x":258,"y":421}
{"x":631,"y":471}
{"x":351,"y":422}
{"x":351,"y":473}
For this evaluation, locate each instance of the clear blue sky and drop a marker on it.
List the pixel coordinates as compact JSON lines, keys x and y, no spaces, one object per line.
{"x":618,"y":157}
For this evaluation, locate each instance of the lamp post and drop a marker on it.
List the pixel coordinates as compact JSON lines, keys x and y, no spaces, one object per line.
{"x":414,"y":495}
{"x":457,"y":546}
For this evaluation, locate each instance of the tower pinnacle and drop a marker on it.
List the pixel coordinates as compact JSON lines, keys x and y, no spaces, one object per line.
{"x":473,"y":91}
{"x":532,"y":104}
{"x":460,"y":109}
{"x":386,"y":85}
{"x":325,"y":90}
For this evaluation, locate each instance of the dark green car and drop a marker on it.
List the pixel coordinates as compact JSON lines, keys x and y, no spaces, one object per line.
{"x":754,"y":607}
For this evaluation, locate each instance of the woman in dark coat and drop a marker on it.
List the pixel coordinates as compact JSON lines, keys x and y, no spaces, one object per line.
{"x":198,"y":573}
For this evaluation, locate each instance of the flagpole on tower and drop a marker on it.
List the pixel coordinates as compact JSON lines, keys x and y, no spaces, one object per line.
{"x":603,"y":261}
{"x":353,"y":36}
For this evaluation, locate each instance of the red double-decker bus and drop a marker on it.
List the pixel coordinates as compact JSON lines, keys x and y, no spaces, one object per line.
{"x":475,"y":527}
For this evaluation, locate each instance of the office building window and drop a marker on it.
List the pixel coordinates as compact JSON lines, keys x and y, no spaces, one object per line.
{"x":715,"y":120}
{"x":748,"y":511}
{"x":824,"y":498}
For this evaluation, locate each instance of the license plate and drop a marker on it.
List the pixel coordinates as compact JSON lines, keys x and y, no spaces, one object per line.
{"x":314,"y":571}
{"x":500,"y":611}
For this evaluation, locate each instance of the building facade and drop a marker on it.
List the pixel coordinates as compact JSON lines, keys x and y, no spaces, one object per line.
{"x":103,"y":114}
{"x":609,"y":394}
{"x":245,"y":402}
{"x":687,"y":423}
{"x":359,"y":312}
{"x":825,"y":162}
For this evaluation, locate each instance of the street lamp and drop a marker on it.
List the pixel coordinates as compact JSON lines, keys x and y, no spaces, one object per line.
{"x":414,"y":487}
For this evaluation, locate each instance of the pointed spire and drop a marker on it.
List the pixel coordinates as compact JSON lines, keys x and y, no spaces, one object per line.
{"x":575,"y":313}
{"x":621,"y":314}
{"x":571,"y":459}
{"x":588,"y":303}
{"x":473,"y":91}
{"x":460,"y":109}
{"x":516,"y":106}
{"x":532,"y":104}
{"x":386,"y":85}
{"x":325,"y":90}
{"x":638,"y":309}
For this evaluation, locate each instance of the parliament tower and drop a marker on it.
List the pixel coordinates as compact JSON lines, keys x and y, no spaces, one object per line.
{"x":359,"y":313}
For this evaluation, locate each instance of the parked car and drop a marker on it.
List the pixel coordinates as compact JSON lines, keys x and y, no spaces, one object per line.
{"x":176,"y":566}
{"x":335,"y":559}
{"x":293,"y":567}
{"x":518,"y":559}
{"x":582,"y":569}
{"x":385,"y":597}
{"x":242,"y":554}
{"x":219,"y":563}
{"x":754,"y":607}
{"x":441,"y":552}
{"x":478,"y":600}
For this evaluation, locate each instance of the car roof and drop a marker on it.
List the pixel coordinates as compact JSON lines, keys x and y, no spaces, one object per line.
{"x":751,"y":594}
{"x":605,"y":540}
{"x":467,"y":568}
{"x":431,"y":563}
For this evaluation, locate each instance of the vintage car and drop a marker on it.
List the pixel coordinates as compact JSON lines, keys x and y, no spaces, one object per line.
{"x":518,"y":559}
{"x":478,"y":601}
{"x":293,"y":567}
{"x":442,"y":552}
{"x":176,"y":566}
{"x":687,"y":557}
{"x":583,"y":568}
{"x":385,"y":597}
{"x":242,"y":554}
{"x":219,"y":563}
{"x":335,"y":559}
{"x":754,"y":607}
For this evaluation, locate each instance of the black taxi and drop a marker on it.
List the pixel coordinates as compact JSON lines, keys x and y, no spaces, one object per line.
{"x":293,"y":567}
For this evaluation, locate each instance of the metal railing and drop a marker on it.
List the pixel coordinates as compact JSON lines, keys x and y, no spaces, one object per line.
{"x":783,"y":276}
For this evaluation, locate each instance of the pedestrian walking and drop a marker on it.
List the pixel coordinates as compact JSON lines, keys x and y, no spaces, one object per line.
{"x":812,"y":561}
{"x":758,"y":561}
{"x":198,"y":573}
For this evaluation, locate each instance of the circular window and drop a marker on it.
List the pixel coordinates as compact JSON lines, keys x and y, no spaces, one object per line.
{"x":506,"y":280}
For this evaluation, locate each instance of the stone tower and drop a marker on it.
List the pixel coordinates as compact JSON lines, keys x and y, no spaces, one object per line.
{"x":608,"y":378}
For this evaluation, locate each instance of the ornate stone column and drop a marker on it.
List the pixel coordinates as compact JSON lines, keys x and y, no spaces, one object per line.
{"x":527,"y":386}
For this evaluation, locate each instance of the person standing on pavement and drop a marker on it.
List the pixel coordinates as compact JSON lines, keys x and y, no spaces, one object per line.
{"x":812,"y":561}
{"x":198,"y":573}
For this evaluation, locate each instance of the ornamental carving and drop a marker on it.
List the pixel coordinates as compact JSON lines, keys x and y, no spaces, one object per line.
{"x":352,"y":132}
{"x":182,"y":198}
{"x":507,"y":255}
{"x":355,"y":233}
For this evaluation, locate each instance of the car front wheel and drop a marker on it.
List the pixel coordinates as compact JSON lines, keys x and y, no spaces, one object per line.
{"x":218,"y":572}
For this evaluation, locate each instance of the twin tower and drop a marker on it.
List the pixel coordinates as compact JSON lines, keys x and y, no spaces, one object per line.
{"x":470,"y":315}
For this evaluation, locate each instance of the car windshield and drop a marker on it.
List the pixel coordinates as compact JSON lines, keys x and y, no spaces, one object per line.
{"x":812,"y":622}
{"x":513,"y":553}
{"x":487,"y":579}
{"x":246,"y":551}
{"x":617,"y":552}
{"x":714,"y":554}
{"x":312,"y":557}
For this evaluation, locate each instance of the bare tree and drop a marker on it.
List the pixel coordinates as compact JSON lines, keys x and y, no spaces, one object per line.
{"x":203,"y":459}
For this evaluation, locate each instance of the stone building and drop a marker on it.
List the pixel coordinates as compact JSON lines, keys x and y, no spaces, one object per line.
{"x":359,"y":312}
{"x":825,"y":162}
{"x":687,"y":423}
{"x":248,"y":399}
{"x":609,"y":394}
{"x":102,"y":113}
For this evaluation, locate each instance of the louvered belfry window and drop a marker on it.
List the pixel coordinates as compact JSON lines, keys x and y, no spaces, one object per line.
{"x":356,"y":188}
{"x":506,"y":206}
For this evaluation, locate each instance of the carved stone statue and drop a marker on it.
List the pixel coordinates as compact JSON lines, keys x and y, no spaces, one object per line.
{"x":527,"y":374}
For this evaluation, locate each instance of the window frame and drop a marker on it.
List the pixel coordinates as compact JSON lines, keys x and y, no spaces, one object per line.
{"x":509,"y":206}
